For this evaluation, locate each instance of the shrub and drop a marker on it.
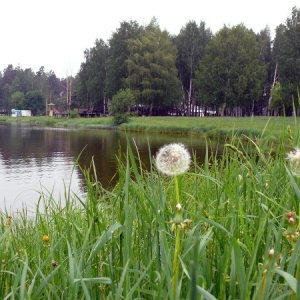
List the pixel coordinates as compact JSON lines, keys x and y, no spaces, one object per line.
{"x":120,"y":105}
{"x":74,"y":114}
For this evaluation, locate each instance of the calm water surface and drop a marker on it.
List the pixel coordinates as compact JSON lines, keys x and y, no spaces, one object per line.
{"x":35,"y":160}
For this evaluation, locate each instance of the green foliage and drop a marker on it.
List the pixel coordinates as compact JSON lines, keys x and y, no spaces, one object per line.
{"x":118,"y":54}
{"x":23,"y":81}
{"x":18,"y":100}
{"x":286,"y":54}
{"x":190,"y":43}
{"x":119,"y":106}
{"x":230,"y":74}
{"x":17,"y":80}
{"x":35,"y":101}
{"x":92,"y":76}
{"x":152,"y":73}
{"x":277,"y":96}
{"x":74,"y":114}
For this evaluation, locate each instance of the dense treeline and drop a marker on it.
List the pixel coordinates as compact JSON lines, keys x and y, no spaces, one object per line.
{"x":24,"y":89}
{"x":234,"y":72}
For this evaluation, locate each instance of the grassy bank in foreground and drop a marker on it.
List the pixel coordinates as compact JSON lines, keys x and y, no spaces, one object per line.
{"x":234,"y":235}
{"x":276,"y":127}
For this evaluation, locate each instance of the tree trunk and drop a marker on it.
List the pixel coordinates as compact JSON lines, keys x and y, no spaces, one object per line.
{"x":270,"y":96}
{"x":150,"y":109}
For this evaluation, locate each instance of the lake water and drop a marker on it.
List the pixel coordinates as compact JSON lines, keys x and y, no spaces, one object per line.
{"x":35,"y":160}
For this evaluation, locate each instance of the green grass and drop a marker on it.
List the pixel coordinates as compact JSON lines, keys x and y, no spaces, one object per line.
{"x":118,"y":244}
{"x":274,"y":127}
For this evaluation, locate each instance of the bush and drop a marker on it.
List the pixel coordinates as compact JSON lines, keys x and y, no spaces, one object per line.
{"x":120,"y":105}
{"x":74,"y":113}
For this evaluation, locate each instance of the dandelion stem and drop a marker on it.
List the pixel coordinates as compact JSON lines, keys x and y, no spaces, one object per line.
{"x":176,"y":190}
{"x":176,"y":261}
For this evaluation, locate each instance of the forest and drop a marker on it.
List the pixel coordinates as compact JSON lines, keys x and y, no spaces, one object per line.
{"x":234,"y":72}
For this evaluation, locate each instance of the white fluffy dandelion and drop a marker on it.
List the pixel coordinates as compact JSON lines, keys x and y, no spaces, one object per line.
{"x":294,"y":161}
{"x":173,"y":159}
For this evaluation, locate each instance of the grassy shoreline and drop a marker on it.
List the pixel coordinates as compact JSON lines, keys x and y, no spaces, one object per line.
{"x":274,"y":127}
{"x":236,"y":235}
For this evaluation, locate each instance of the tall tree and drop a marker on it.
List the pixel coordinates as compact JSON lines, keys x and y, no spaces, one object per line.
{"x":3,"y":104}
{"x":9,"y":74}
{"x":190,"y":42}
{"x":230,"y":74}
{"x":265,"y":59}
{"x":152,"y":73}
{"x":41,"y":80}
{"x":8,"y":77}
{"x":287,"y":56}
{"x":92,"y":76}
{"x":118,"y":54}
{"x":23,"y":81}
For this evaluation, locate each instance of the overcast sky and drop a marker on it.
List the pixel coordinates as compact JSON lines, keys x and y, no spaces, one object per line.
{"x":55,"y":33}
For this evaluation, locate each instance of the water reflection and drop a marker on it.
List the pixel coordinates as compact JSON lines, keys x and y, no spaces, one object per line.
{"x":34,"y":159}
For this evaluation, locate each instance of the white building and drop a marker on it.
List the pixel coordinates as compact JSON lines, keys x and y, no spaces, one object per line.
{"x":20,"y":113}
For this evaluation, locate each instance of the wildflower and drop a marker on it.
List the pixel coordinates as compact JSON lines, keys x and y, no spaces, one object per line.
{"x":267,"y":183}
{"x":271,"y":252}
{"x":293,"y":158}
{"x":46,"y":238}
{"x":173,"y":159}
{"x":291,"y":233}
{"x":54,"y":263}
{"x":178,"y":207}
{"x":290,"y":217}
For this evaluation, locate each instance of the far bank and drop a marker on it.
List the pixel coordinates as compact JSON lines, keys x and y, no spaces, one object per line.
{"x":273,"y":127}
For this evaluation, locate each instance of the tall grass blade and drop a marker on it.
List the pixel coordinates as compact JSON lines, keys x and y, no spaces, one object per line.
{"x":292,"y":282}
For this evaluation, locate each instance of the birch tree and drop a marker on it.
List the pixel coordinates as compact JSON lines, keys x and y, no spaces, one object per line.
{"x":286,"y":54}
{"x":230,"y":76}
{"x":191,"y":43}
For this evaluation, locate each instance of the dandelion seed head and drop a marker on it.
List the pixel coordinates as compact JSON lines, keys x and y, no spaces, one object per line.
{"x":293,"y":158}
{"x":173,"y":159}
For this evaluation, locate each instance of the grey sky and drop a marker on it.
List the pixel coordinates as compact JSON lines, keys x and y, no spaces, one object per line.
{"x":55,"y":33}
